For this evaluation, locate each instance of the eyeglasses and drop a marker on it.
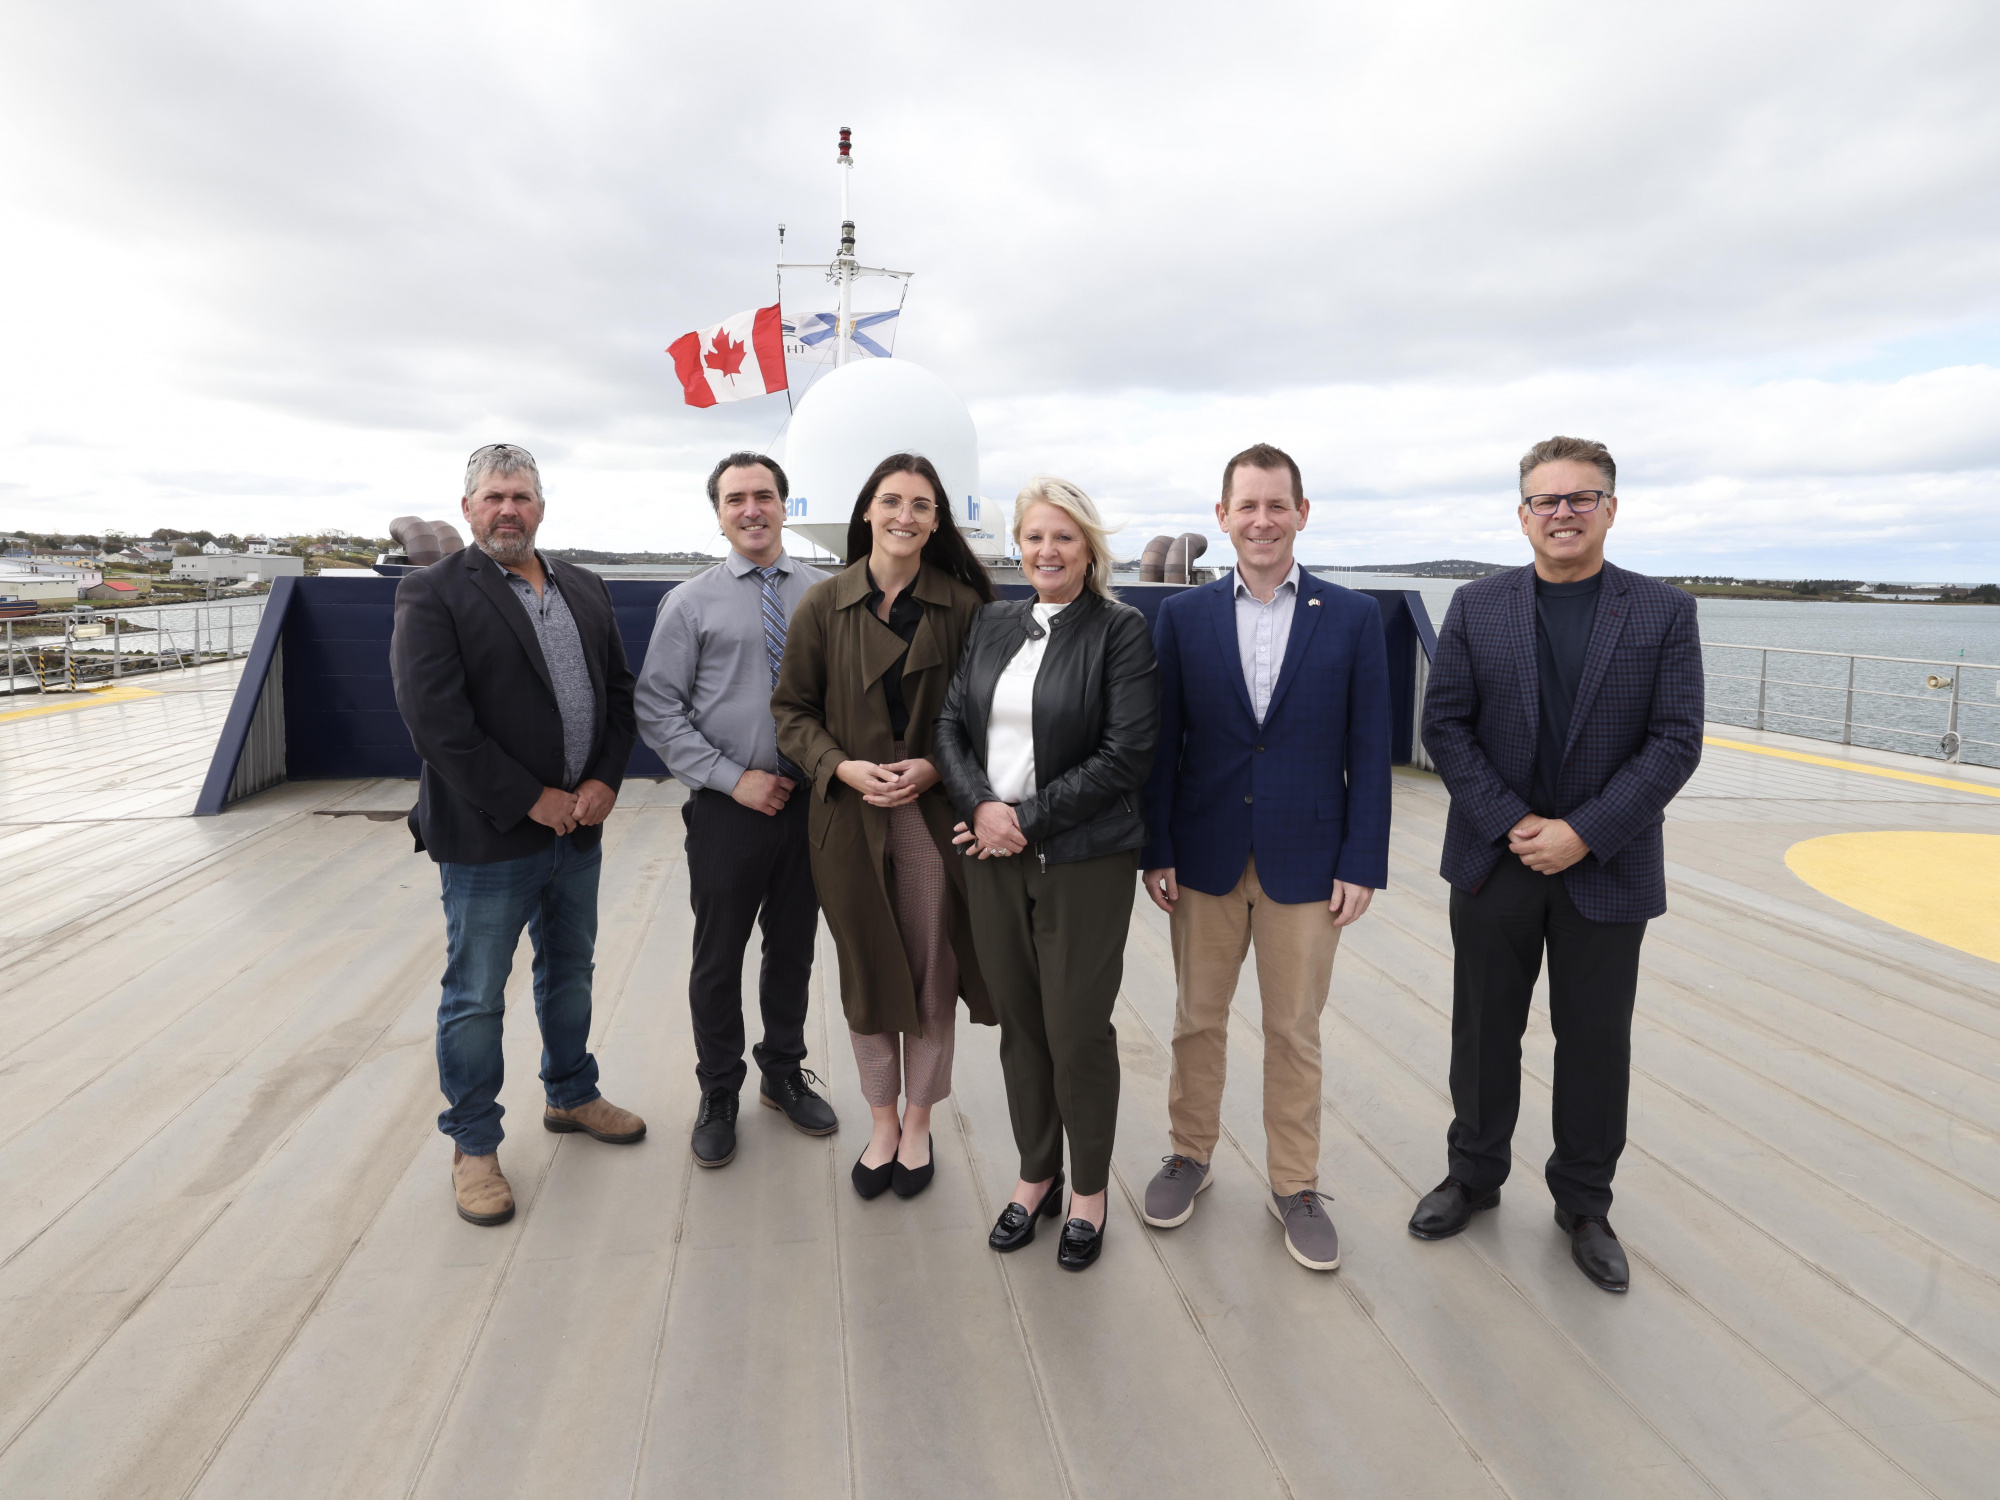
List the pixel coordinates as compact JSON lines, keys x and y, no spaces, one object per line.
{"x":1581,"y":502}
{"x":921,"y":509}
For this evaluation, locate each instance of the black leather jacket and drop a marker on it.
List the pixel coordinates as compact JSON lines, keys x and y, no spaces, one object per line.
{"x":1097,"y":717}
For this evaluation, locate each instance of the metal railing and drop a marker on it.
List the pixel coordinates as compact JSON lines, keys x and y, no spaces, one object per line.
{"x":1947,"y":709}
{"x":108,"y":645}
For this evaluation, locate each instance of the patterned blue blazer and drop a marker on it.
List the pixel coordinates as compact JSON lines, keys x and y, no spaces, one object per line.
{"x":1634,"y":734}
{"x":1309,"y":790}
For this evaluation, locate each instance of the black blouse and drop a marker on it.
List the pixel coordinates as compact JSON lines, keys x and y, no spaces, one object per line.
{"x":904,"y":616}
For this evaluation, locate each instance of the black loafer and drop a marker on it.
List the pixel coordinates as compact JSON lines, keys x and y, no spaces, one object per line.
{"x":714,"y":1140}
{"x":1016,"y":1225}
{"x":793,"y":1094}
{"x":1448,"y":1208}
{"x":1082,"y":1242}
{"x":910,"y":1181}
{"x":873,"y":1182}
{"x":1593,"y":1245}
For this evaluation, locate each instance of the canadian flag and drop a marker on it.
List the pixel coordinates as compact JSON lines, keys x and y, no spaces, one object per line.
{"x":740,"y":356}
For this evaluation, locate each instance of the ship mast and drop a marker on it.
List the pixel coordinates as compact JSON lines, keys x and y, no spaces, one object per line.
{"x":844,"y":270}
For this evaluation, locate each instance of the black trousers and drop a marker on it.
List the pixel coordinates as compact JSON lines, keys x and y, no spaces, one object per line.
{"x":746,"y":869}
{"x":1051,"y":944}
{"x":1498,"y":936}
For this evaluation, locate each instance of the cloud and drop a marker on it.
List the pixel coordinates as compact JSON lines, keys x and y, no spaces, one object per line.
{"x":305,"y":259}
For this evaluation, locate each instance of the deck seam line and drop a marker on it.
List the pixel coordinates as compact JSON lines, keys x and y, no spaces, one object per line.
{"x":276,"y":1026}
{"x":1043,"y":1406}
{"x":194,"y":1004}
{"x":499,"y":1277}
{"x":1561,"y":1333}
{"x":174,"y":882}
{"x":1346,"y":1291}
{"x":194,"y":1239}
{"x":1804,"y":1260}
{"x":818,"y":989}
{"x":299,"y":1326}
{"x":1767,"y":1081}
{"x":660,"y":1337}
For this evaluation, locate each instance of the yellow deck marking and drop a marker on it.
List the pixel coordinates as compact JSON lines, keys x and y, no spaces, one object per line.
{"x":1853,"y":765}
{"x":81,"y":700}
{"x":1943,"y":886}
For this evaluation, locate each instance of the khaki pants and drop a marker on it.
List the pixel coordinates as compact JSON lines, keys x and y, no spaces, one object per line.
{"x":1295,"y":948}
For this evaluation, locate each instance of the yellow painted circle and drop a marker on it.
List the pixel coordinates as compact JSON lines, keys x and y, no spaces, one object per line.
{"x":1943,"y":886}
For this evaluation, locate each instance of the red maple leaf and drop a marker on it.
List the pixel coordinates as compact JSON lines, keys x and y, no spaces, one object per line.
{"x":726,"y":358}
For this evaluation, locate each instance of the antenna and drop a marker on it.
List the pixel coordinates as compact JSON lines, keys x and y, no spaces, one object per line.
{"x":844,"y":329}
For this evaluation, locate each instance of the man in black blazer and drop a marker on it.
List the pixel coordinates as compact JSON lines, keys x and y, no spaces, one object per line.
{"x":1564,"y":712}
{"x":513,"y":683}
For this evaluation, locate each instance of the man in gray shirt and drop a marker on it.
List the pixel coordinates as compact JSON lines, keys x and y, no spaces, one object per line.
{"x":704,"y":703}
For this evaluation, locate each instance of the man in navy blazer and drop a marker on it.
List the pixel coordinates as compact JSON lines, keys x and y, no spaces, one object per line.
{"x":1564,"y":712}
{"x":1268,"y":820}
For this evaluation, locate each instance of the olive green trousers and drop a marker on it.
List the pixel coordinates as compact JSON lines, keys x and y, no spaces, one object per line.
{"x":1051,"y":944}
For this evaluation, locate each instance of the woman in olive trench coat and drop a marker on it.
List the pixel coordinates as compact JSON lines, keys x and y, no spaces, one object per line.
{"x":832,"y":706}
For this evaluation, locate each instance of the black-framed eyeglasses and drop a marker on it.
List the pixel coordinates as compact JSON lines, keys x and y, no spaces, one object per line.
{"x":1581,"y":502}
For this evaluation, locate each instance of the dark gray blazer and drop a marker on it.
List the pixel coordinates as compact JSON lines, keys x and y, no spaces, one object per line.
{"x":477,"y":698}
{"x":1634,"y":733}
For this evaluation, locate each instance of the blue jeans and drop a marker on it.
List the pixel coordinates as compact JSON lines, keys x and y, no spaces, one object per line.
{"x":554,"y":894}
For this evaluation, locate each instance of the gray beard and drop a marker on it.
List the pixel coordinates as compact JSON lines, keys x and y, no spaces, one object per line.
{"x":508,"y":554}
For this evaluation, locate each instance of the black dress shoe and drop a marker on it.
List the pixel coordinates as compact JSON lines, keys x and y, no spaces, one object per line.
{"x":910,"y":1181}
{"x":1448,"y":1208}
{"x":1016,"y":1225}
{"x":1081,"y":1243}
{"x":714,"y":1142}
{"x":793,"y":1094}
{"x":873,"y":1182}
{"x":1593,"y":1245}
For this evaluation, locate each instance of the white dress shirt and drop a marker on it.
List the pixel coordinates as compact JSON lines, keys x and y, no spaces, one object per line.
{"x":1262,"y":633}
{"x":1010,"y":727}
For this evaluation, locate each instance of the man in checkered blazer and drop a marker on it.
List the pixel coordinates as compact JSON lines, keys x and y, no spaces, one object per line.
{"x":1564,"y":712}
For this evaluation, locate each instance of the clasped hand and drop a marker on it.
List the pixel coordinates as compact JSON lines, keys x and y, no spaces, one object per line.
{"x":994,"y":834}
{"x":564,"y":812}
{"x":890,"y":784}
{"x":1548,"y":846}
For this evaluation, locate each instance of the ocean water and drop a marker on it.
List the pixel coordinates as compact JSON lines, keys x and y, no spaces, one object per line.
{"x":1894,"y":707}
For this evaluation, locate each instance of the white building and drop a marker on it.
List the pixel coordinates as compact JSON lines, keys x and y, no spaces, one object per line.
{"x":41,"y":587}
{"x":237,"y":567}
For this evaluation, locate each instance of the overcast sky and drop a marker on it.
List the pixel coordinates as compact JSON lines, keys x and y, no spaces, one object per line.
{"x":275,"y":267}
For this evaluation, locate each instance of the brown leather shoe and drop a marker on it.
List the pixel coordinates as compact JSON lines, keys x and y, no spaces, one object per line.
{"x":599,"y":1119}
{"x":483,"y":1194}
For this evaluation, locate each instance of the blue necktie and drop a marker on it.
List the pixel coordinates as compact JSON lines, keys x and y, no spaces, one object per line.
{"x":774,"y":644}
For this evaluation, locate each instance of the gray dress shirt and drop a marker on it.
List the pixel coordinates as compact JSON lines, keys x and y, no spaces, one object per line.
{"x":1262,"y":633}
{"x":704,"y":694}
{"x":562,"y":649}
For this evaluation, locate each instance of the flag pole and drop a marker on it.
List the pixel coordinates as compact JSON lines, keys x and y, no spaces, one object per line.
{"x":781,"y":316}
{"x":844,"y":328}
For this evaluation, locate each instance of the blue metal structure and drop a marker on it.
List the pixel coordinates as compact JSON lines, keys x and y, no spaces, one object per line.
{"x":316,"y":701}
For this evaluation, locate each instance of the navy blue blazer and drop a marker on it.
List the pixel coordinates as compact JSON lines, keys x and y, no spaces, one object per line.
{"x":1309,"y":790}
{"x":1634,"y":733}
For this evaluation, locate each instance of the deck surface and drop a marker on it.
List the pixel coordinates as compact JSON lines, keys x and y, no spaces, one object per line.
{"x":229,"y":1264}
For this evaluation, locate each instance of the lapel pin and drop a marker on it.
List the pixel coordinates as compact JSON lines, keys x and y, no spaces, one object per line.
{"x":1312,"y":604}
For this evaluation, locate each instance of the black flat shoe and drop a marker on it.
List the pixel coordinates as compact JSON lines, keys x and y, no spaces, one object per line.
{"x":910,"y":1181}
{"x":1593,"y":1245}
{"x":1016,"y":1225}
{"x":1082,"y":1242}
{"x":1448,"y":1208}
{"x":873,"y":1182}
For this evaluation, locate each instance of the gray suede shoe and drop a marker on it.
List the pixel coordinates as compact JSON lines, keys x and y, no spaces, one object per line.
{"x":1309,"y":1232}
{"x":1170,"y":1195}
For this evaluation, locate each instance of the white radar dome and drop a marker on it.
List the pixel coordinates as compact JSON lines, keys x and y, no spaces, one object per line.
{"x":856,"y":416}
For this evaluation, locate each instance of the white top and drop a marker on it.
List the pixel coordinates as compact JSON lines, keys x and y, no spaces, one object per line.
{"x":1010,"y":727}
{"x":1262,"y":633}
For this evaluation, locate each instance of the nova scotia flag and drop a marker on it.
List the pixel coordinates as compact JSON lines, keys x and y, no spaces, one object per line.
{"x":810,"y":335}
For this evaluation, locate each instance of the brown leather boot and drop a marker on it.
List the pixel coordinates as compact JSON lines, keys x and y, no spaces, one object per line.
{"x":599,"y":1119}
{"x":483,"y":1194}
